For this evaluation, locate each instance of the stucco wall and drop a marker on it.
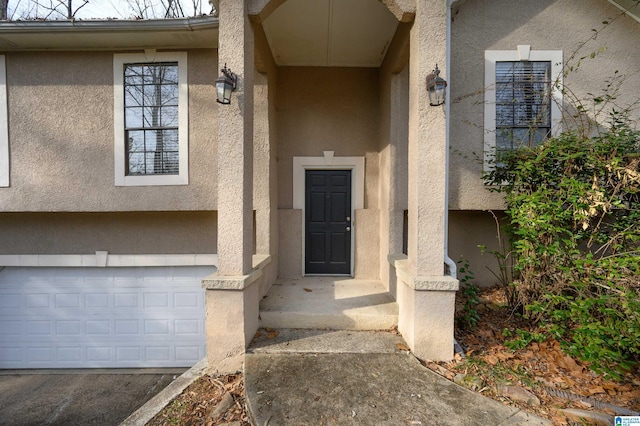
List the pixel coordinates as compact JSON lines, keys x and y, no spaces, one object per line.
{"x":61,"y":136}
{"x":480,"y":25}
{"x":327,"y":109}
{"x":468,"y":230}
{"x":118,"y":233}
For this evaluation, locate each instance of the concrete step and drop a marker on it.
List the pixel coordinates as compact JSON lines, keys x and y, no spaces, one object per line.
{"x":328,"y":303}
{"x":283,"y":341}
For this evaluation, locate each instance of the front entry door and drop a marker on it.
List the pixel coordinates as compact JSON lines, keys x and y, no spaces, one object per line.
{"x":328,"y":222}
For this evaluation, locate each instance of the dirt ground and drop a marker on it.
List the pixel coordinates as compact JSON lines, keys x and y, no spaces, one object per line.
{"x":539,"y":378}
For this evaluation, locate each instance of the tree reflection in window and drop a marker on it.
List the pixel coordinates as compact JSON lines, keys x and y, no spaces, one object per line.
{"x":151,"y":118}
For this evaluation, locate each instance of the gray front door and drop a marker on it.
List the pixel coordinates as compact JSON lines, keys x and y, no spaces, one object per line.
{"x":328,"y":222}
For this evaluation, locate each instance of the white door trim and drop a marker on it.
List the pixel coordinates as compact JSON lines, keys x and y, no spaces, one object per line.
{"x":329,"y":162}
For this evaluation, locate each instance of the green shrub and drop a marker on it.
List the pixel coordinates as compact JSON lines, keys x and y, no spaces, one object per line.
{"x":469,"y":317}
{"x":573,"y":212}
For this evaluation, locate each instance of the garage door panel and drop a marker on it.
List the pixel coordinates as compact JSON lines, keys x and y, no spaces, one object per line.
{"x":110,"y":355}
{"x":142,"y":318}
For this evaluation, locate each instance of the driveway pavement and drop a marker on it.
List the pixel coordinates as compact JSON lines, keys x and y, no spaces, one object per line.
{"x":77,"y":397}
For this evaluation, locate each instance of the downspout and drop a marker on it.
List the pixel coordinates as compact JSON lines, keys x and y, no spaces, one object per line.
{"x":451,"y":264}
{"x":452,"y":268}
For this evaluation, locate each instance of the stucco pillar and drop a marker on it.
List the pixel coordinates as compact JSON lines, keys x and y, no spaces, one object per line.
{"x":231,"y":297}
{"x":264,"y":162}
{"x":235,"y":144}
{"x":393,"y":175}
{"x":426,"y":297}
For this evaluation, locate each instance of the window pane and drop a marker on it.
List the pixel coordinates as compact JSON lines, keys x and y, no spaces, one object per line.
{"x":151,"y":118}
{"x":132,"y":74}
{"x":169,"y":95}
{"x":135,"y":141}
{"x":133,"y":117}
{"x":504,"y":139}
{"x":521,"y":138}
{"x":169,"y":116}
{"x":152,"y":94}
{"x":170,"y":75}
{"x":523,"y":103}
{"x":150,"y":158}
{"x":540,"y":135}
{"x":170,"y":139}
{"x":504,"y":115}
{"x":136,"y":164}
{"x":132,"y":95}
{"x":171,"y":164}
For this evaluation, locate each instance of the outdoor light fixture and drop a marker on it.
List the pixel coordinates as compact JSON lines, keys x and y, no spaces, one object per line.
{"x":436,"y":86}
{"x":225,"y":84}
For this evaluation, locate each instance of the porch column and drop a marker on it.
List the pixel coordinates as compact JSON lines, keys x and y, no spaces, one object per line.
{"x":232,"y":294}
{"x":425,"y":295}
{"x":265,"y":190}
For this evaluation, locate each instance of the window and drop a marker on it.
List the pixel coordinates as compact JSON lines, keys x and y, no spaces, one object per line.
{"x":151,"y":119}
{"x":4,"y":126}
{"x":522,"y":99}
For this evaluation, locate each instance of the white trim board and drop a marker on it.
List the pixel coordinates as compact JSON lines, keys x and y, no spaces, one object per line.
{"x":103,"y":259}
{"x":329,"y":162}
{"x":4,"y":126}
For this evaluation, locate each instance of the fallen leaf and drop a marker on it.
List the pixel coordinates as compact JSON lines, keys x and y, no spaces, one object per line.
{"x":308,"y":290}
{"x":258,"y":334}
{"x":595,"y":390}
{"x":273,"y":334}
{"x":491,"y":359}
{"x":402,"y":347}
{"x":503,"y":356}
{"x":568,"y":363}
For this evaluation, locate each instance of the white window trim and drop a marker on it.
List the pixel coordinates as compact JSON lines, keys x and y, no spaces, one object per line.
{"x":523,"y":53}
{"x":4,"y":126}
{"x":119,"y":60}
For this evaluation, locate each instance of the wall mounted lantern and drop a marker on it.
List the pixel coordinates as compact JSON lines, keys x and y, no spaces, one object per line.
{"x":225,"y":84}
{"x":436,"y":86}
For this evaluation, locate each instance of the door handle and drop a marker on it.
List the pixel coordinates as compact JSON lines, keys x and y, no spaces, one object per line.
{"x":348,"y":228}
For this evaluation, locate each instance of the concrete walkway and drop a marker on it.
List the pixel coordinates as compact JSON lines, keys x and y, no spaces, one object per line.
{"x":322,"y":377}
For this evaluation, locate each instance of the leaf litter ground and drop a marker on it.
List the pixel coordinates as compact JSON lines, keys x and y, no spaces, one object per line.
{"x":555,"y":380}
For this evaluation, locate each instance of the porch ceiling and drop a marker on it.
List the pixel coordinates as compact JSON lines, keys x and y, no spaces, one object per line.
{"x":330,"y":33}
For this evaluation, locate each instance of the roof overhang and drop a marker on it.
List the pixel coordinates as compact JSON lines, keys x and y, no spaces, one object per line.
{"x":182,"y":33}
{"x":330,"y":33}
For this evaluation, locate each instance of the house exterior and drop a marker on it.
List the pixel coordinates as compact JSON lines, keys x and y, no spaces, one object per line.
{"x":140,"y":219}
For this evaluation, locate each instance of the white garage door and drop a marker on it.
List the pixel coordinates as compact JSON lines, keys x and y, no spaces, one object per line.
{"x":102,"y":317}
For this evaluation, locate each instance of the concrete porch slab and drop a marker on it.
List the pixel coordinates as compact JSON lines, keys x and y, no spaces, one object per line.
{"x":328,"y":303}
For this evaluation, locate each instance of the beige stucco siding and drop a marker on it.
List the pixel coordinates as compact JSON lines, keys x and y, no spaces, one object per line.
{"x":327,"y":109}
{"x":61,"y":136}
{"x":119,"y":233}
{"x":544,"y":25}
{"x":467,"y":231}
